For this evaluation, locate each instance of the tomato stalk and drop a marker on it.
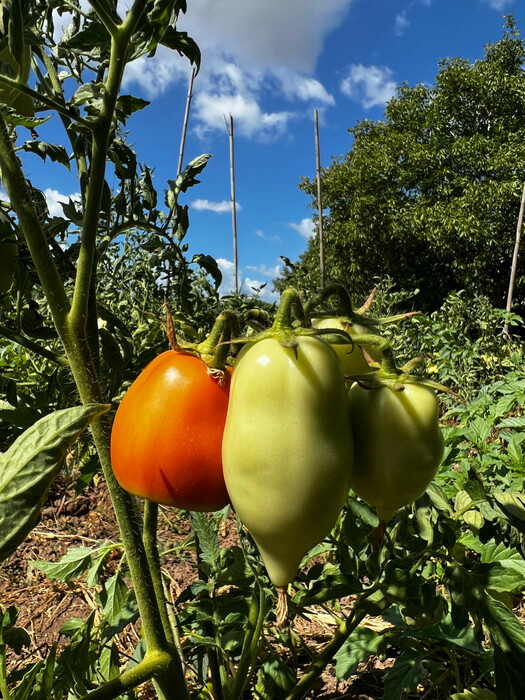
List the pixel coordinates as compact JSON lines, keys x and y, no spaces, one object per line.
{"x":151,"y":512}
{"x":70,"y":319}
{"x":256,"y":617}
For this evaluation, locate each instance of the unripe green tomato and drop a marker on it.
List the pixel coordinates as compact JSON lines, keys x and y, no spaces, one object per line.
{"x":286,"y":448}
{"x":350,"y":356}
{"x":8,"y":251}
{"x":398,"y":444}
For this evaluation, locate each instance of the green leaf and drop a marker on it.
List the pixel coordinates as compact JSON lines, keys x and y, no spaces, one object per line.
{"x":29,"y":466}
{"x":328,"y":588}
{"x":71,"y":565}
{"x":508,"y":638}
{"x":274,"y":679}
{"x":474,"y":694}
{"x":360,"y":645}
{"x":404,"y":676}
{"x":210,"y":265}
{"x":207,"y":539}
{"x":57,"y":154}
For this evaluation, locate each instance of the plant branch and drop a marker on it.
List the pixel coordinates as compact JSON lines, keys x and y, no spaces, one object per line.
{"x":61,"y":108}
{"x":19,"y":339}
{"x":21,"y":200}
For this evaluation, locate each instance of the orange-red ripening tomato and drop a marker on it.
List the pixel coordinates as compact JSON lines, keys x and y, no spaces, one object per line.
{"x":167,"y":434}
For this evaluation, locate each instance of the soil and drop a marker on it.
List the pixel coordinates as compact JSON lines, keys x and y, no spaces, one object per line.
{"x":45,"y":605}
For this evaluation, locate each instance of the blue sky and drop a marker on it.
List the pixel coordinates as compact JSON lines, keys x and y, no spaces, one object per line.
{"x":270,"y":63}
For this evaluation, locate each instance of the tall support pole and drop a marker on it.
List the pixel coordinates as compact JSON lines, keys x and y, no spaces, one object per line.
{"x":185,"y":124}
{"x":234,"y":209}
{"x":515,"y":259}
{"x":319,"y":199}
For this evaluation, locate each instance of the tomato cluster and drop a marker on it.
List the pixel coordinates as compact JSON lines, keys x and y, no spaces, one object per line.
{"x":306,"y":416}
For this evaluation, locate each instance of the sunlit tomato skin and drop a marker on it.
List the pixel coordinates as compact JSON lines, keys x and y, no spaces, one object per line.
{"x":286,"y":448}
{"x":398,"y":444}
{"x":167,"y":434}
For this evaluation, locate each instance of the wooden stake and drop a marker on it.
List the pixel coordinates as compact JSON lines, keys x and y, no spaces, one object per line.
{"x":185,"y":124}
{"x":234,"y":209}
{"x":515,"y":260}
{"x":319,"y":198}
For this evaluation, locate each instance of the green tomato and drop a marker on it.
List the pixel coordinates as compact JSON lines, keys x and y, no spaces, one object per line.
{"x":8,"y":251}
{"x":350,"y":356}
{"x":286,"y":448}
{"x":398,"y":444}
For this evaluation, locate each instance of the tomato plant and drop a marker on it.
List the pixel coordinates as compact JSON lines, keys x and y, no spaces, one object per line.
{"x":167,"y":433}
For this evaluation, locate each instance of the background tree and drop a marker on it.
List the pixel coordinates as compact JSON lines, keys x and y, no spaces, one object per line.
{"x":429,"y":196}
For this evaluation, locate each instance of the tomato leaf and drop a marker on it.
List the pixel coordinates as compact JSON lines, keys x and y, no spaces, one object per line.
{"x":508,"y":637}
{"x":360,"y":645}
{"x":70,"y":566}
{"x":29,"y":466}
{"x":403,"y":678}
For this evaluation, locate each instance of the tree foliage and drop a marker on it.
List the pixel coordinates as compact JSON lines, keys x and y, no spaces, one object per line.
{"x":430,"y":194}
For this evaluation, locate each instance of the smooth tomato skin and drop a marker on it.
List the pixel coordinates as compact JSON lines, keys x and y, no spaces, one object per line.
{"x":167,"y":434}
{"x":398,"y":444}
{"x":286,"y":448}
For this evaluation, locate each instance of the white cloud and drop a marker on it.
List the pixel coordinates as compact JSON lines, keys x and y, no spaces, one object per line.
{"x":303,"y":88}
{"x":266,"y":34}
{"x":401,"y":23}
{"x":305,"y":227}
{"x":247,"y":285}
{"x":275,"y":238}
{"x":217,"y":207}
{"x":250,"y":51}
{"x":53,"y":199}
{"x":155,"y":75}
{"x":265,"y":270}
{"x":499,"y":4}
{"x":369,"y":85}
{"x":249,"y":118}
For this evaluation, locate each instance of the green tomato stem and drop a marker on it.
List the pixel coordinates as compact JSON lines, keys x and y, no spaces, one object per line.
{"x":151,"y":511}
{"x":290,"y":300}
{"x":256,"y":617}
{"x":215,"y":349}
{"x":4,"y":689}
{"x":334,"y":289}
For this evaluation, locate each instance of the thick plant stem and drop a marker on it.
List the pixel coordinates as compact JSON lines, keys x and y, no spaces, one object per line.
{"x":130,"y":679}
{"x":86,"y":379}
{"x":151,"y":511}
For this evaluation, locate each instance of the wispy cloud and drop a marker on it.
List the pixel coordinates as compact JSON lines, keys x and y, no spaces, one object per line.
{"x":247,"y":285}
{"x":218,"y":207}
{"x":54,"y":198}
{"x":274,"y":238}
{"x":401,"y":23}
{"x":266,"y":270}
{"x":305,"y":227}
{"x":370,"y":85}
{"x":499,"y":4}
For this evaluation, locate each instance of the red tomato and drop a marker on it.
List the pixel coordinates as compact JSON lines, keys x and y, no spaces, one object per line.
{"x":167,"y":434}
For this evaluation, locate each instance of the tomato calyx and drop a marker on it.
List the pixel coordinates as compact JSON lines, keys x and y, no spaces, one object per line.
{"x":396,"y":378}
{"x":213,"y":351}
